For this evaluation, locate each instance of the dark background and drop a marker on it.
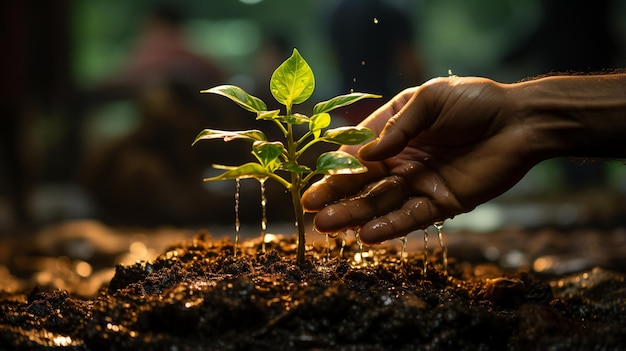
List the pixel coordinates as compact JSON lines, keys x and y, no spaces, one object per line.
{"x":94,"y":127}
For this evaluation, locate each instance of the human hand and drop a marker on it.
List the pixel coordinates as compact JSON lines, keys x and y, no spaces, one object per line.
{"x":444,"y":148}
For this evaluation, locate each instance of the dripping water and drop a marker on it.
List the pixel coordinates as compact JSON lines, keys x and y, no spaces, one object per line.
{"x":237,"y":221}
{"x":328,"y":237}
{"x":343,"y":243}
{"x":360,"y":243}
{"x":425,"y":250}
{"x":444,"y":249}
{"x":327,"y":247}
{"x":404,"y":240}
{"x":263,"y":213}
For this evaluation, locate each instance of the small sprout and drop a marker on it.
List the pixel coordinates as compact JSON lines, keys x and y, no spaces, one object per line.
{"x":291,"y":83}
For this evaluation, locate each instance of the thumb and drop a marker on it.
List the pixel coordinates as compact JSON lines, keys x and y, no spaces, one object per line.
{"x":412,"y":118}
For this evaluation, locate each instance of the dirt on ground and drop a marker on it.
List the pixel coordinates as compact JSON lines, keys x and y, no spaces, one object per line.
{"x":199,"y":295}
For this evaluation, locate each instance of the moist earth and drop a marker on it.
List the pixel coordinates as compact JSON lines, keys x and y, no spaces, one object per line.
{"x":199,"y":295}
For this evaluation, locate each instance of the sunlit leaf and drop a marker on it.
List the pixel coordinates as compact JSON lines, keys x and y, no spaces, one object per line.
{"x":248,"y":170}
{"x":267,"y":115}
{"x":338,"y":162}
{"x":340,"y":101}
{"x":348,"y":135}
{"x":318,"y":122}
{"x":239,"y":96}
{"x":295,"y":168}
{"x":267,"y":152}
{"x":293,"y":81}
{"x":295,"y":118}
{"x":251,"y":135}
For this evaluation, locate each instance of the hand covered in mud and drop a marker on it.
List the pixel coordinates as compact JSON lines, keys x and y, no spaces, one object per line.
{"x":443,"y":148}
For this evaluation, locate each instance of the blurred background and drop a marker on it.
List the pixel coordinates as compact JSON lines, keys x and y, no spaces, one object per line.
{"x":100,"y":99}
{"x":100,"y":102}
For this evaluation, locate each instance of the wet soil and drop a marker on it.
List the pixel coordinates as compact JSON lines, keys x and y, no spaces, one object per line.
{"x":197,"y":295}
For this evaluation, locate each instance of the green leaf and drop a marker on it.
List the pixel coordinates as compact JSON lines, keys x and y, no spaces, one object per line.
{"x":295,"y":118}
{"x":248,"y":170}
{"x":295,"y":168}
{"x":348,"y":135}
{"x":252,"y":135}
{"x":293,"y":81}
{"x":267,"y":152}
{"x":340,"y":101}
{"x":238,"y":95}
{"x":338,"y":162}
{"x":318,"y":122}
{"x":267,"y":115}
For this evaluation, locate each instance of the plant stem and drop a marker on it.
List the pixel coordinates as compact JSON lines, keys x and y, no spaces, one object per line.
{"x":299,"y":213}
{"x":295,"y":189}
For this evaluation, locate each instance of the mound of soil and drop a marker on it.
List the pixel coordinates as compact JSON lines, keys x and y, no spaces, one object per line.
{"x":197,"y":295}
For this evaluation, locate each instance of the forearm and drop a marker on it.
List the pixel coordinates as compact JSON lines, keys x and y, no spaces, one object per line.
{"x":573,"y":116}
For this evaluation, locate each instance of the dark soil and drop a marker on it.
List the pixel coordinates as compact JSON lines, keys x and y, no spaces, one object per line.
{"x":198,"y":296}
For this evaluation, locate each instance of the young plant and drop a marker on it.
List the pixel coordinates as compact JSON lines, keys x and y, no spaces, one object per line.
{"x":291,"y":83}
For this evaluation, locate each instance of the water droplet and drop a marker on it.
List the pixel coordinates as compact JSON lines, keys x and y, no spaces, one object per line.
{"x":444,"y":249}
{"x":375,"y":20}
{"x":327,"y":248}
{"x":237,"y":221}
{"x":425,"y":250}
{"x":404,"y":240}
{"x":263,"y":213}
{"x":363,"y":63}
{"x":360,"y":259}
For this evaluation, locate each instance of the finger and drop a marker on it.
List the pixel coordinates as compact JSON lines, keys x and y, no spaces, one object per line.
{"x":332,"y":188}
{"x":417,"y":213}
{"x":436,"y":202}
{"x":412,"y":117}
{"x":377,"y":199}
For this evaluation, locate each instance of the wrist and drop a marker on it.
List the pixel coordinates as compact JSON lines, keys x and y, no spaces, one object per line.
{"x":572,"y":116}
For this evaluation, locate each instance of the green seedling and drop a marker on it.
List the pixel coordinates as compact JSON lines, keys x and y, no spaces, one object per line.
{"x":291,"y":83}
